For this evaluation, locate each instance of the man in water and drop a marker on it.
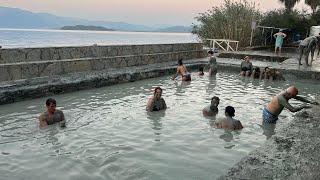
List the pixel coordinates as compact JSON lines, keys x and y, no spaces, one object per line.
{"x":308,"y":45}
{"x":246,"y":67}
{"x":182,"y":70}
{"x":156,"y":103}
{"x":229,"y":123}
{"x":212,"y":109}
{"x":213,"y":67}
{"x":279,"y":40}
{"x":52,"y":115}
{"x":274,"y":108}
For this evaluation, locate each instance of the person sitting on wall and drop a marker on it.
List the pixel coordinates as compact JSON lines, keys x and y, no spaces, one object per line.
{"x":201,"y":73}
{"x":256,"y":74}
{"x":229,"y":123}
{"x":156,"y":103}
{"x":246,"y":67}
{"x":52,"y":115}
{"x":271,"y":112}
{"x":212,"y":109}
{"x":182,"y":70}
{"x":213,"y":67}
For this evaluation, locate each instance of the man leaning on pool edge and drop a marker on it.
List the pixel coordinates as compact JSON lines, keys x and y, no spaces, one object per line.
{"x":278,"y":103}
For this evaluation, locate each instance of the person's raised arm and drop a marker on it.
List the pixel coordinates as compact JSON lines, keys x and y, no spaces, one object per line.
{"x":286,"y":104}
{"x":302,"y":99}
{"x":150,"y":105}
{"x":42,"y":121}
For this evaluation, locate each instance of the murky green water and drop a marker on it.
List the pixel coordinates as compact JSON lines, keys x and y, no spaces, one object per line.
{"x":109,"y":134}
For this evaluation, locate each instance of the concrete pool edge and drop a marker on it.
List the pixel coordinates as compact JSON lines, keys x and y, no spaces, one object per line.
{"x":292,"y":153}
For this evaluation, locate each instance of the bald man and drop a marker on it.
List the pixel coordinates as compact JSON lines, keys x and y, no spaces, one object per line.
{"x":274,"y":108}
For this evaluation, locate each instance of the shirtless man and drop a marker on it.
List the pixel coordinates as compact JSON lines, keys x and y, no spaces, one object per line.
{"x":274,"y":108}
{"x":156,"y":103}
{"x":52,"y":115}
{"x":212,"y":109}
{"x":213,"y":66}
{"x":182,"y":70}
{"x":308,"y":45}
{"x":229,"y":123}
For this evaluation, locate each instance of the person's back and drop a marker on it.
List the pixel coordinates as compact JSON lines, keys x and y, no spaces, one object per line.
{"x":229,"y":123}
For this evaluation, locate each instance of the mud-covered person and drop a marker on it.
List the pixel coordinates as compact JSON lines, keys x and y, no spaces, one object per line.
{"x":52,"y":115}
{"x":182,"y":70}
{"x":246,"y":67}
{"x":279,"y":102}
{"x":212,"y":109}
{"x":156,"y":102}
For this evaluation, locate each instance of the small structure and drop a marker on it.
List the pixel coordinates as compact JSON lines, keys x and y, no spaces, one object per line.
{"x":314,"y":30}
{"x":224,"y":44}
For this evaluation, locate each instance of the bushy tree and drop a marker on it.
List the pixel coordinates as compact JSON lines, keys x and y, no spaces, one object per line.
{"x":232,"y":20}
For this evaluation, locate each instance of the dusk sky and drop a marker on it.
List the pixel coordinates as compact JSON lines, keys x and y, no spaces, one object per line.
{"x":147,"y":12}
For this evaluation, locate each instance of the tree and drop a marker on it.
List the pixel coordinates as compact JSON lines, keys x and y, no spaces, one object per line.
{"x":232,"y":20}
{"x":313,"y":4}
{"x":289,"y":4}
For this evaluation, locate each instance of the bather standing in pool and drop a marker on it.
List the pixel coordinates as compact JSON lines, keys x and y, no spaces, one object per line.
{"x":52,"y":115}
{"x":213,"y":67}
{"x":156,"y":103}
{"x":229,"y":123}
{"x":246,"y":67}
{"x":182,"y":70}
{"x":279,"y":40}
{"x":212,"y":109}
{"x":274,"y":108}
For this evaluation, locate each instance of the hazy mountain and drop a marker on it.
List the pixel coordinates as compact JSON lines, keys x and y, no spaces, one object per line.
{"x":184,"y":29}
{"x":18,"y":18}
{"x":87,"y":28}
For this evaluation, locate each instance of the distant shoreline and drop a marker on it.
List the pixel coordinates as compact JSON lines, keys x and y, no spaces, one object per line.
{"x":86,"y":28}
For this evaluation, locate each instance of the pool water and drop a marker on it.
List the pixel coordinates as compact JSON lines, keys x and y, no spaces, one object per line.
{"x":109,"y":134}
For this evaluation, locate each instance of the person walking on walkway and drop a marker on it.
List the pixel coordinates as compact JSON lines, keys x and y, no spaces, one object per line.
{"x":307,"y":46}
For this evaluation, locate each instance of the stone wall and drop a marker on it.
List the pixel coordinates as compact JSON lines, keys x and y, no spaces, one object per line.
{"x":26,"y":63}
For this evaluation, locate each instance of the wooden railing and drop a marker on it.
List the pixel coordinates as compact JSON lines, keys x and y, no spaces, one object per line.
{"x":219,"y":43}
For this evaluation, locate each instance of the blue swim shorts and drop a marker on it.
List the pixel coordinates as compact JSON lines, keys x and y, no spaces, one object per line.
{"x":268,"y":117}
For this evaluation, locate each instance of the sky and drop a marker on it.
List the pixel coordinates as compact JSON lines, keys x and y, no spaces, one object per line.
{"x":145,"y":12}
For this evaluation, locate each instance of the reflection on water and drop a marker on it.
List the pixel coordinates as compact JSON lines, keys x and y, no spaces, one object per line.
{"x":109,"y":134}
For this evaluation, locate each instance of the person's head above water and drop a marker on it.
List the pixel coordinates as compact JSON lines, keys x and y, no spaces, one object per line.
{"x":157,"y":92}
{"x":230,"y":111}
{"x":247,"y":58}
{"x":51,"y":105}
{"x":292,"y":91}
{"x":215,"y":101}
{"x":180,"y":63}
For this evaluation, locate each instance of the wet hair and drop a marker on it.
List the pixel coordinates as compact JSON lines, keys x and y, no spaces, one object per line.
{"x":210,"y":52}
{"x":201,"y":69}
{"x":230,"y":111}
{"x":215,"y":98}
{"x":180,"y":62}
{"x":51,"y":100}
{"x":266,"y":68}
{"x":155,"y":90}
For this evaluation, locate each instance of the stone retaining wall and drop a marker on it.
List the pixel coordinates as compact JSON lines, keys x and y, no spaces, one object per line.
{"x":29,"y":63}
